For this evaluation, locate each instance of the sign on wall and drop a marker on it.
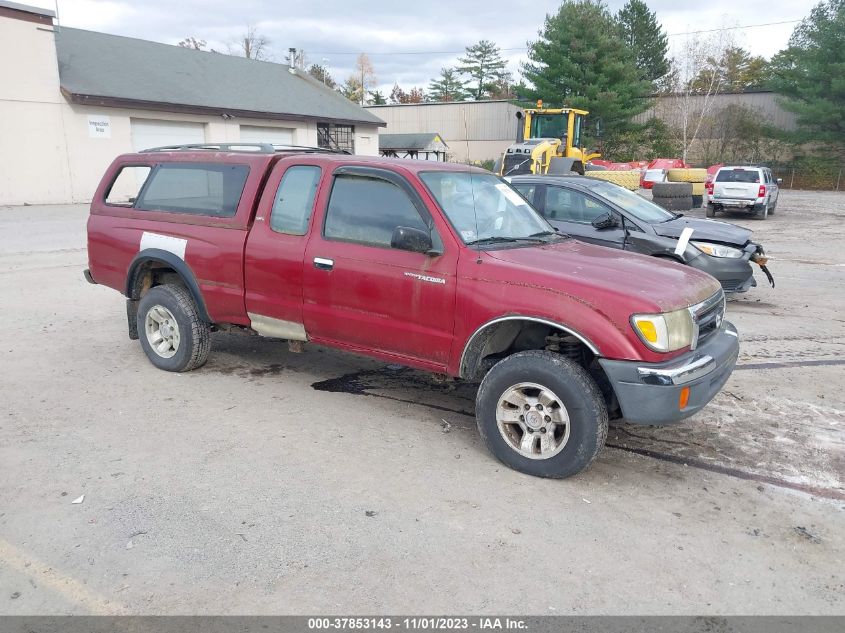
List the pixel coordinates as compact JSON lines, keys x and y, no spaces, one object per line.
{"x":99,"y":126}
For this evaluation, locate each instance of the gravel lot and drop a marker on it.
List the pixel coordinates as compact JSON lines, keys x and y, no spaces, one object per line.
{"x":271,"y":482}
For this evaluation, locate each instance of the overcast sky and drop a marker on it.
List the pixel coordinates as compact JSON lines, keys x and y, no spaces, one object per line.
{"x":408,"y":42}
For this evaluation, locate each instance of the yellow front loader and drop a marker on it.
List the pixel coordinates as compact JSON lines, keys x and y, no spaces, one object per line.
{"x":549,"y":141}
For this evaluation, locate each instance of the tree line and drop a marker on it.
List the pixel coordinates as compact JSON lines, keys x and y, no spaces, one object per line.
{"x":614,"y":65}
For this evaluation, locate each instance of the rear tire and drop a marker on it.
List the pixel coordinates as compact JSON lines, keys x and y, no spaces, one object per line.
{"x":564,"y":425}
{"x":172,"y":334}
{"x":711,"y":211}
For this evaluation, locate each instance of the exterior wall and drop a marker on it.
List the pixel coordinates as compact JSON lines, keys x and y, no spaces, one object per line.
{"x":33,"y":153}
{"x":669,"y":108}
{"x":473,"y":130}
{"x":88,"y":157}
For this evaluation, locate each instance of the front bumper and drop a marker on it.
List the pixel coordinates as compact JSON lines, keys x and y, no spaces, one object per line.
{"x":649,"y":393}
{"x":733,"y":273}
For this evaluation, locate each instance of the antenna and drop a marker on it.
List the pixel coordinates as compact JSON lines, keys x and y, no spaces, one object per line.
{"x":471,"y":183}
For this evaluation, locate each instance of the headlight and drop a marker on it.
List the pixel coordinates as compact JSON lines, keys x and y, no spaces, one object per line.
{"x":665,"y":332}
{"x":717,"y":250}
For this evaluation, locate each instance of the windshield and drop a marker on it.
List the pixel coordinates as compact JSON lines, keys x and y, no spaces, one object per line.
{"x":549,"y":125}
{"x":482,"y":207}
{"x":633,"y":203}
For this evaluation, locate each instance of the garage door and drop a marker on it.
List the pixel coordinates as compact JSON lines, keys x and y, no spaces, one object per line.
{"x":259,"y":134}
{"x":148,"y":133}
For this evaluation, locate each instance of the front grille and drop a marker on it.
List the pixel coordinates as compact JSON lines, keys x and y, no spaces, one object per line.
{"x":516,"y":164}
{"x":708,"y":316}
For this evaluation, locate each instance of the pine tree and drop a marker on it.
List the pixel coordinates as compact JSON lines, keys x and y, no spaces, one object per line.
{"x":377,"y":97}
{"x":484,"y":67}
{"x":810,"y":73}
{"x":448,"y":87}
{"x":644,"y":35}
{"x":580,"y":61}
{"x":736,"y":70}
{"x":321,"y":73}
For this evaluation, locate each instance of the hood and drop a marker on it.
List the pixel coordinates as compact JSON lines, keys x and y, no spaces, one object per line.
{"x":608,"y":278}
{"x":705,"y":231}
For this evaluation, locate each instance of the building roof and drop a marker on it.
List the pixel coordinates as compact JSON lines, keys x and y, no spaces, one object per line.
{"x":102,"y":69}
{"x":5,"y":4}
{"x":423,"y":141}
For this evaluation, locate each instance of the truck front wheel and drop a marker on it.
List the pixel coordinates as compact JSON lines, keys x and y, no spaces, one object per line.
{"x":172,"y":334}
{"x":541,"y":414}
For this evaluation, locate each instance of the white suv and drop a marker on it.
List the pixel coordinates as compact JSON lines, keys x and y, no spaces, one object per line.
{"x":747,"y":188}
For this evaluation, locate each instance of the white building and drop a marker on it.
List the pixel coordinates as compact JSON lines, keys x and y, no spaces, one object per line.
{"x":72,"y":100}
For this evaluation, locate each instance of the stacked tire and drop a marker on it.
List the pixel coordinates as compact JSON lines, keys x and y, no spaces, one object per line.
{"x":696,"y":176}
{"x":672,"y":196}
{"x":628,"y":179}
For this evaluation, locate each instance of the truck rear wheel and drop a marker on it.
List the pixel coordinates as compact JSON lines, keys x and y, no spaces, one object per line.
{"x":172,"y":334}
{"x":541,"y":414}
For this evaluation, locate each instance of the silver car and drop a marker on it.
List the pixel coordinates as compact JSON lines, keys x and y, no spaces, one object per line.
{"x":743,"y":188}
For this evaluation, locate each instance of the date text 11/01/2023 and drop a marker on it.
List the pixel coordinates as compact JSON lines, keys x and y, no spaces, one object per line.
{"x":416,"y":623}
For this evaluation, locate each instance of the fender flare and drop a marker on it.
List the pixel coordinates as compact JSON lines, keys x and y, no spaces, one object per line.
{"x":172,"y":261}
{"x":462,"y":366}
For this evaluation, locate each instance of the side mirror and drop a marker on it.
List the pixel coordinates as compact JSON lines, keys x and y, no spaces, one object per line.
{"x":780,"y":181}
{"x":409,"y":239}
{"x":604,"y":221}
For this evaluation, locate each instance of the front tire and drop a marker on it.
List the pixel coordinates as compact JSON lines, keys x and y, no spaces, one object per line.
{"x":172,"y":334}
{"x":541,"y":414}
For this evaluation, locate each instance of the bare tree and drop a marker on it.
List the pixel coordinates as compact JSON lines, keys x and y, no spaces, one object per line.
{"x":365,"y":75}
{"x":251,"y":45}
{"x":691,"y":97}
{"x":194,"y":43}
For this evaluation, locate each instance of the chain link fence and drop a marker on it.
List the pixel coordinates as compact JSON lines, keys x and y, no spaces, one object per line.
{"x":814,"y":175}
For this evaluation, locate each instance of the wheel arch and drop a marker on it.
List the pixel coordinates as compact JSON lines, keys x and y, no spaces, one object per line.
{"x":507,"y":326}
{"x":153,"y":262}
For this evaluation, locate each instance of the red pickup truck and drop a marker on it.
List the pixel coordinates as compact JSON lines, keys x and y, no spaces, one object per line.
{"x":437,"y":266}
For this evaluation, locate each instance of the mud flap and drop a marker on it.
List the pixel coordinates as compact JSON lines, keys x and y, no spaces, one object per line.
{"x":132,"y":318}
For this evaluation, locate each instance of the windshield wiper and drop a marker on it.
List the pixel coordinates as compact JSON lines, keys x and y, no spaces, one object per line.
{"x":493,"y":240}
{"x":548,"y":234}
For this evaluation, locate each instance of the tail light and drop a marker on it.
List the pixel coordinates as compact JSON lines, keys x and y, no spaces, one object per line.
{"x":761,"y":193}
{"x":709,"y":187}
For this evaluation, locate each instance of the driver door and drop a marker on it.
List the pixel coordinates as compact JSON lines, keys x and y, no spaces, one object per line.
{"x":364,"y":295}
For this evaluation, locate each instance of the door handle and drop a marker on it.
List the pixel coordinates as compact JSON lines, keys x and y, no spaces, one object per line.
{"x":323,"y":264}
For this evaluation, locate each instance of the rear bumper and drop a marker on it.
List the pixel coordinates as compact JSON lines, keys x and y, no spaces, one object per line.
{"x":756,"y":205}
{"x":649,"y":393}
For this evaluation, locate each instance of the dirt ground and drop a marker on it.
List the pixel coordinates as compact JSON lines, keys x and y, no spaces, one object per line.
{"x":271,"y":482}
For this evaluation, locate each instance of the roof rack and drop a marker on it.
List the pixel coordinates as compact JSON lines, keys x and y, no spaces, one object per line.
{"x":254,"y":148}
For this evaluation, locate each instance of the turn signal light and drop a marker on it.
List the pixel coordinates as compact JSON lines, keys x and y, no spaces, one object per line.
{"x":683,"y":398}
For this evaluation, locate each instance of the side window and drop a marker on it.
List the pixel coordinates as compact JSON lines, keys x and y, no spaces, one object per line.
{"x":367,"y":210}
{"x":196,"y":188}
{"x":572,"y":206}
{"x":126,"y":186}
{"x":526,"y":190}
{"x":294,"y":200}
